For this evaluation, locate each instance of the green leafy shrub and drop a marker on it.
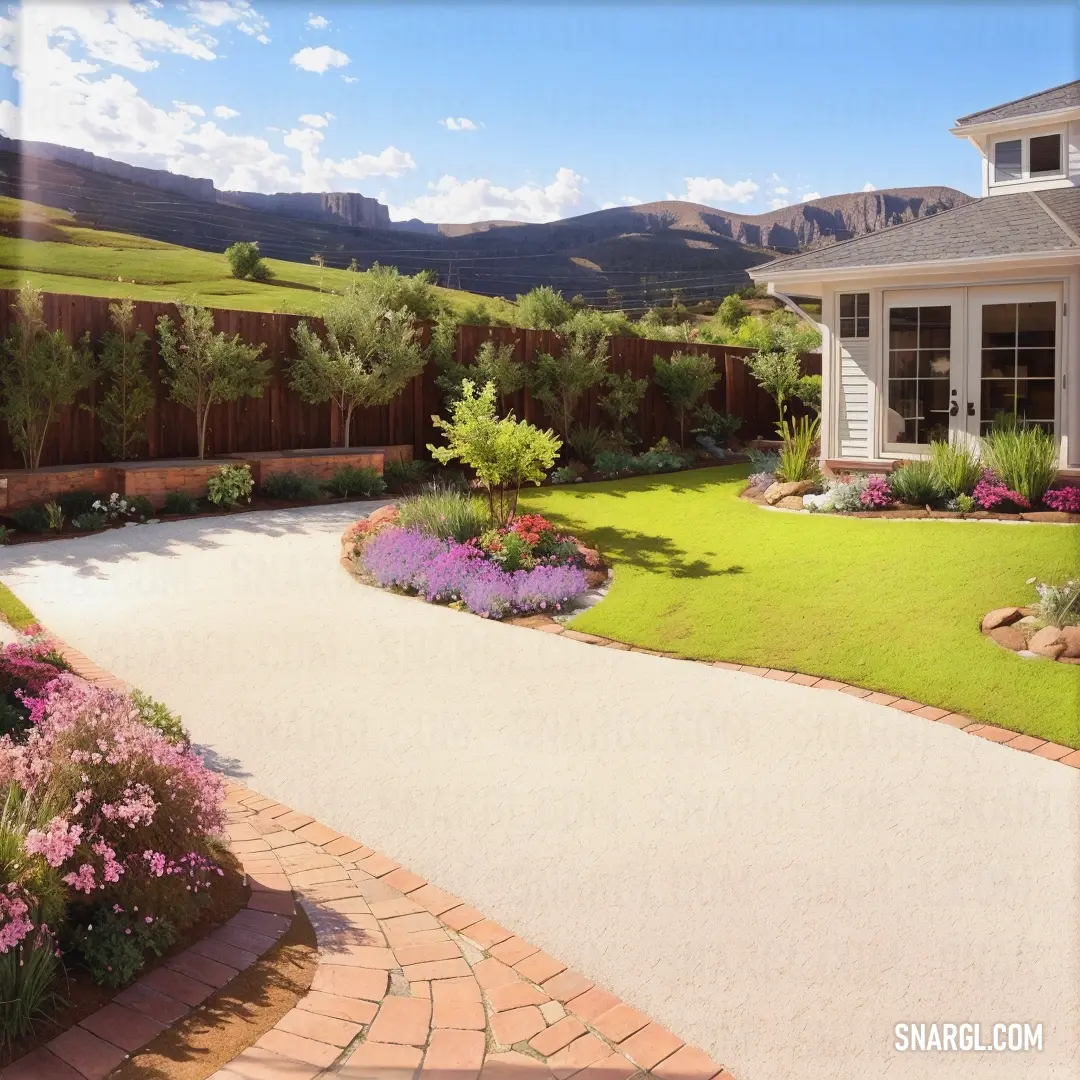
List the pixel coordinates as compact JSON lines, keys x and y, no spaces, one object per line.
{"x":74,"y":503}
{"x":718,"y":426}
{"x":114,"y":943}
{"x":155,"y":715}
{"x":956,"y":468}
{"x":915,"y":483}
{"x":621,"y":403}
{"x":808,"y":391}
{"x":246,"y":263}
{"x":566,"y":474}
{"x":685,"y":379}
{"x":180,"y":502}
{"x":613,"y":463}
{"x":350,"y":480}
{"x":401,"y":476}
{"x":658,"y":461}
{"x":232,"y":485}
{"x":586,"y":442}
{"x":965,"y":504}
{"x":1024,"y":458}
{"x":142,"y":506}
{"x":91,"y":521}
{"x":445,"y":513}
{"x":129,"y":395}
{"x":55,"y":515}
{"x":290,"y":486}
{"x":558,"y":382}
{"x":504,"y":453}
{"x":5,"y":536}
{"x":31,"y":519}
{"x":797,"y":453}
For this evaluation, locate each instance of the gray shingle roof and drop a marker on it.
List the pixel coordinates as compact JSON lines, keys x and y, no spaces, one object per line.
{"x":1015,"y":224}
{"x":1066,"y":96}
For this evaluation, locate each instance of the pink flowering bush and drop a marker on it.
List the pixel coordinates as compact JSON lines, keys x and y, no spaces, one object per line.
{"x":26,"y":666}
{"x":991,"y":493}
{"x":1066,"y":500}
{"x":136,"y":814}
{"x":876,"y":495}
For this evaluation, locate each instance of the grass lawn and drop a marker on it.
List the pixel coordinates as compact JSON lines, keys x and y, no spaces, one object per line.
{"x":888,"y":605}
{"x":14,"y":610}
{"x":88,"y":262}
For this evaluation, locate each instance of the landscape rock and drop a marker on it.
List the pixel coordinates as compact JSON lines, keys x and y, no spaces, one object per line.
{"x":1047,"y":642}
{"x":791,"y":502}
{"x":1002,"y":616}
{"x":1009,"y":637}
{"x":384,"y":515}
{"x":1071,"y":636}
{"x":777,"y":491}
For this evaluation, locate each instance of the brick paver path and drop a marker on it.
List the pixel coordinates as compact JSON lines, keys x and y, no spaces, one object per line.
{"x":778,"y":874}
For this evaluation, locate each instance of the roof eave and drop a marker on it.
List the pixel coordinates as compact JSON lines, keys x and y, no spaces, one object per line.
{"x":964,"y":130}
{"x":781,"y":279}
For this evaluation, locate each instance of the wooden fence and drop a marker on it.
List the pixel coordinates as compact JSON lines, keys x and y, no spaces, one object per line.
{"x":280,"y":420}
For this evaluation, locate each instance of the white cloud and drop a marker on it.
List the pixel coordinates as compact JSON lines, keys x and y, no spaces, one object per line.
{"x":460,"y":123}
{"x":194,"y":110}
{"x":809,"y":196}
{"x":626,"y":200}
{"x":452,"y":200}
{"x":76,"y":103}
{"x":317,"y":22}
{"x":319,"y":60}
{"x":315,"y":120}
{"x":224,"y":112}
{"x":777,"y":204}
{"x":349,"y":78}
{"x":238,"y":13}
{"x":700,"y":189}
{"x":780,"y":190}
{"x":869,"y":187}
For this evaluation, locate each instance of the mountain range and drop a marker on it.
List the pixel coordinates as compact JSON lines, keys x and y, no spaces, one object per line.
{"x":643,"y":252}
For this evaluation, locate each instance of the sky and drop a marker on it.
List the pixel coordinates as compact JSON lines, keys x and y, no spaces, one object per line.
{"x":530,"y":112}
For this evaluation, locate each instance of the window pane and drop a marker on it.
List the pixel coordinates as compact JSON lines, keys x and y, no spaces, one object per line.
{"x":998,"y":395}
{"x":903,"y":328}
{"x":1036,"y":324}
{"x":999,"y":326}
{"x":998,"y":363}
{"x":862,"y":327}
{"x":934,"y":327}
{"x":1044,"y":155}
{"x":1035,"y":363}
{"x":847,"y":327}
{"x":862,"y":304}
{"x":904,"y":397}
{"x":1007,"y":160}
{"x":1035,"y":399}
{"x":902,"y":364}
{"x":847,"y":305}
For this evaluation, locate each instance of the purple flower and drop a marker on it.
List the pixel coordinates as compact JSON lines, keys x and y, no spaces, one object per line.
{"x":876,"y":495}
{"x":1066,"y":499}
{"x":990,"y":492}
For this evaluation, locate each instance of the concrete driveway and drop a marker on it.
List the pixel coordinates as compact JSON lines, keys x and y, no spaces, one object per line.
{"x":779,"y":875}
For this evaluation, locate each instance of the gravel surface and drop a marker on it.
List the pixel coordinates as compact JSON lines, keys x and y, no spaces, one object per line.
{"x":779,"y":875}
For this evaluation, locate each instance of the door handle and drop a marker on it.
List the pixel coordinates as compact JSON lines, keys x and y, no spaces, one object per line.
{"x":971,"y":408}
{"x":954,"y":409}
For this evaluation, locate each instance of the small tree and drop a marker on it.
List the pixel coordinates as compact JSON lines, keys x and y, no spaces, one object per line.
{"x":622,"y":402}
{"x":503,"y":453}
{"x":543,"y":308}
{"x":204,"y":368}
{"x":246,"y":262}
{"x":129,"y":396}
{"x":779,"y":342}
{"x":732,"y":311}
{"x":40,"y":374}
{"x":685,"y":380}
{"x":369,"y":356}
{"x":558,"y":382}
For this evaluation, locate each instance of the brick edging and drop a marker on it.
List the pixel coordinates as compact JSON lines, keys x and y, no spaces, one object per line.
{"x":409,"y":978}
{"x":1028,"y":744}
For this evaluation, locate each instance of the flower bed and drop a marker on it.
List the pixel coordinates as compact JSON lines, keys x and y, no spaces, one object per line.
{"x":109,"y":838}
{"x":526,"y":567}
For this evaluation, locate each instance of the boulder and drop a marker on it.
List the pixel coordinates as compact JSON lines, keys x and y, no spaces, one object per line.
{"x":1071,"y":636}
{"x":791,"y":502}
{"x":1009,"y":637}
{"x":1002,"y":616}
{"x":385,"y":515}
{"x":777,"y":491}
{"x":1047,"y":642}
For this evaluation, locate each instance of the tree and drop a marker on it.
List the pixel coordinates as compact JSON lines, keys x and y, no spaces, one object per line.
{"x":204,"y":368}
{"x":129,"y":396}
{"x":503,"y":453}
{"x":558,"y":382}
{"x":246,"y":262}
{"x":41,"y":372}
{"x":732,"y":311}
{"x":685,"y":380}
{"x":543,"y":308}
{"x":779,"y":342}
{"x":500,"y":365}
{"x":369,"y":356}
{"x":622,"y":401}
{"x":393,"y":290}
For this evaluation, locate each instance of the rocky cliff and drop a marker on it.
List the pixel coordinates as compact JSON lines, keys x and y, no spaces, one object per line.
{"x":345,"y":207}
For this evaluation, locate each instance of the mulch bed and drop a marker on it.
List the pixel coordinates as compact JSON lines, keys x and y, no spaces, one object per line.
{"x":82,"y":996}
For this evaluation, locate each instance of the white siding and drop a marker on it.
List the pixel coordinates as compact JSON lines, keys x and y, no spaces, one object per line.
{"x":1073,"y":151}
{"x":854,"y":399}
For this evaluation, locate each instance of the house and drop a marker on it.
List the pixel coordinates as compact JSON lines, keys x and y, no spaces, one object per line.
{"x":932,"y":327}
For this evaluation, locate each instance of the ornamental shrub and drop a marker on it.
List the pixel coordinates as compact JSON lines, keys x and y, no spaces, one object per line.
{"x":232,"y":485}
{"x":1066,"y":500}
{"x":1025,"y":458}
{"x":877,"y":494}
{"x":915,"y":483}
{"x":445,"y":513}
{"x":657,"y":461}
{"x":763,"y":461}
{"x":113,"y":942}
{"x":401,"y":476}
{"x":74,"y":503}
{"x":179,"y":502}
{"x":136,"y":814}
{"x":1058,"y":605}
{"x":90,"y":522}
{"x":290,"y":486}
{"x":956,"y":467}
{"x":992,"y":494}
{"x":155,"y":715}
{"x":350,"y":480}
{"x":761,"y":479}
{"x":31,"y":519}
{"x":613,"y":463}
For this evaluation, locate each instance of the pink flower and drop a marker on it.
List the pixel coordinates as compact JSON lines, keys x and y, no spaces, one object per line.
{"x":57,"y":843}
{"x":83,"y":880}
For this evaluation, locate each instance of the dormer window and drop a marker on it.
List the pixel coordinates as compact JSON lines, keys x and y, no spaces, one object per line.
{"x":1034,"y":158}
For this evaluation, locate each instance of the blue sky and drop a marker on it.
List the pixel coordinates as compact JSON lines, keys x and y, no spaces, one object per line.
{"x":555,"y":109}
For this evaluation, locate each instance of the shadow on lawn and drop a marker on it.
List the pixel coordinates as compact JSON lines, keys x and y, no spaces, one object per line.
{"x":656,"y":553}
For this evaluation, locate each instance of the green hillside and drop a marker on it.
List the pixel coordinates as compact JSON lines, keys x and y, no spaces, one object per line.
{"x":47,"y":247}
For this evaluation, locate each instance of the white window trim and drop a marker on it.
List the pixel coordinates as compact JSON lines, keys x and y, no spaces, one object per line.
{"x":1025,"y":158}
{"x":857,"y":317}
